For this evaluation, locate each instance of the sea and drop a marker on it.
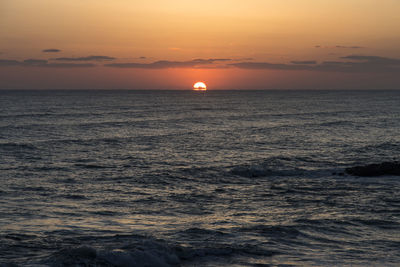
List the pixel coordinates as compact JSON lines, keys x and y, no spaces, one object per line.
{"x":185,"y":178}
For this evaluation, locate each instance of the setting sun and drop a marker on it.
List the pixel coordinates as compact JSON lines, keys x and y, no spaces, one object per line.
{"x":200,"y":86}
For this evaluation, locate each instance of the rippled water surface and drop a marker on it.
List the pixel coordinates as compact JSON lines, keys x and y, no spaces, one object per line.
{"x":170,"y":178}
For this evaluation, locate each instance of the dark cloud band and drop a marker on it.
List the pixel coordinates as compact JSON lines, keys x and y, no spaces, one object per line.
{"x":7,"y":62}
{"x":88,"y":58}
{"x":340,"y":47}
{"x":350,"y":64}
{"x":358,"y":63}
{"x":165,"y":64}
{"x":52,"y":50}
{"x":310,"y":62}
{"x":42,"y":63}
{"x":374,"y":59}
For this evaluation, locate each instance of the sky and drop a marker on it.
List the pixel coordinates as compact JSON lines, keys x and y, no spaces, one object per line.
{"x":228,"y":44}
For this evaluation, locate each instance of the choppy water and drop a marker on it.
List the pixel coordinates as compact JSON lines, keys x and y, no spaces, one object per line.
{"x":170,"y":178}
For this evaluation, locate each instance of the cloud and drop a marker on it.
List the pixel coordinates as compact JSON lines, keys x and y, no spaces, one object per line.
{"x":361,"y":63}
{"x":165,"y":64}
{"x":51,"y":50}
{"x":349,"y":47}
{"x":218,"y":59}
{"x":8,"y":62}
{"x":42,"y":63}
{"x":348,"y":64}
{"x":340,"y":47}
{"x":69,"y":65}
{"x":88,"y":58}
{"x":34,"y":62}
{"x":366,"y":64}
{"x":310,"y":62}
{"x":269,"y":66}
{"x":374,"y":59}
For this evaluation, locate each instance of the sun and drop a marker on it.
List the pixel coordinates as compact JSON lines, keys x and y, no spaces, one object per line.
{"x":200,"y":86}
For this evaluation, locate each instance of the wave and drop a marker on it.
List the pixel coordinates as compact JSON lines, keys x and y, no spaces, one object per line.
{"x":202,"y":232}
{"x":137,"y":250}
{"x":274,"y":166}
{"x":281,"y":166}
{"x":333,"y":227}
{"x":274,"y":231}
{"x":147,"y":253}
{"x":74,"y":197}
{"x":93,"y":166}
{"x":17,"y":146}
{"x":378,"y":223}
{"x":386,"y":146}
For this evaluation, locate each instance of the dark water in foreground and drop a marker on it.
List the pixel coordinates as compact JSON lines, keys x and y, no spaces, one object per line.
{"x":118,"y":178}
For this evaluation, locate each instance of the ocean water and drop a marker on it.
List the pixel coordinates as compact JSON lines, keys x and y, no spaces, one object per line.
{"x":222,"y":178}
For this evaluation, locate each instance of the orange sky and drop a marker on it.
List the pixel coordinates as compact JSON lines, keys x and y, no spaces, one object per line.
{"x":264,"y":44}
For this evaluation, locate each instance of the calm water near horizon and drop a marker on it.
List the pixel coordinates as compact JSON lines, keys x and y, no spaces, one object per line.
{"x":184,"y":178}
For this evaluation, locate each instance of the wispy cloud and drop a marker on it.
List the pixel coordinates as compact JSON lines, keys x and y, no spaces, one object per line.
{"x":88,"y":58}
{"x":358,"y":63}
{"x":309,"y":62}
{"x":374,"y":59}
{"x":245,"y":58}
{"x":8,"y":62}
{"x":269,"y":66}
{"x":69,"y":65}
{"x":34,"y":62}
{"x":217,"y":59}
{"x":42,"y":63}
{"x":51,"y":50}
{"x":340,"y":47}
{"x":350,"y":64}
{"x":165,"y":64}
{"x":349,"y":47}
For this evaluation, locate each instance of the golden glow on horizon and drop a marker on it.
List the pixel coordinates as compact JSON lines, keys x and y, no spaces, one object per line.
{"x":200,"y":86}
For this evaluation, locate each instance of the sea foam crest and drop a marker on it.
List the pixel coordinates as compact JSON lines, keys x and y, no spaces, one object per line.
{"x":150,"y":254}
